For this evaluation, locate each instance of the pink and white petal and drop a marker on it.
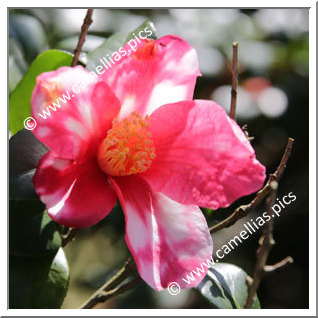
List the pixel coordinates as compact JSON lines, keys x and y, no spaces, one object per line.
{"x":84,"y":109}
{"x":158,"y":72}
{"x":168,"y":240}
{"x":75,"y":195}
{"x":203,"y":157}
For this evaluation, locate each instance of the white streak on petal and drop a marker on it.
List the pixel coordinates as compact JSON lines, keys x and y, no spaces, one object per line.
{"x":165,"y":93}
{"x":128,"y":106}
{"x":75,"y":127}
{"x":60,"y":164}
{"x":186,"y":65}
{"x":85,"y":110}
{"x":190,"y":61}
{"x":58,"y":207}
{"x":156,"y":249}
{"x":138,"y":236}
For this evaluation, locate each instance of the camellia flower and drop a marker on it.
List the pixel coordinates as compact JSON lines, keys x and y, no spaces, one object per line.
{"x":135,"y":134}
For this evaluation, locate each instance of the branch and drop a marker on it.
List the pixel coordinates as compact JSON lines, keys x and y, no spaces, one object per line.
{"x":69,"y":236}
{"x":121,"y":275}
{"x":266,"y":243}
{"x":86,"y":23}
{"x":243,"y":210}
{"x":234,"y":81}
{"x":269,"y":269}
{"x":111,"y":288}
{"x":105,"y":295}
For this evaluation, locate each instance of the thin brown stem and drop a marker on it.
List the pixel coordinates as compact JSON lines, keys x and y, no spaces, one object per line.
{"x":234,"y":81}
{"x":266,"y":241}
{"x":69,"y":236}
{"x":243,"y":210}
{"x":269,"y":269}
{"x":86,"y":23}
{"x":112,"y":287}
{"x":105,"y":295}
{"x":121,"y":275}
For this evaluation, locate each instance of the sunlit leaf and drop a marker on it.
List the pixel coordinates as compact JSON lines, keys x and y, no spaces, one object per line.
{"x":113,"y":43}
{"x":20,"y":98}
{"x":225,"y":287}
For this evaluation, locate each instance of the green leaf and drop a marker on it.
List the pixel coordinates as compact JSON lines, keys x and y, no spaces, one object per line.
{"x":20,"y":98}
{"x":25,"y":150}
{"x":224,"y":287}
{"x":146,"y":24}
{"x":113,"y":43}
{"x":207,"y":211}
{"x":38,"y":282}
{"x":38,"y":271}
{"x":31,"y":231}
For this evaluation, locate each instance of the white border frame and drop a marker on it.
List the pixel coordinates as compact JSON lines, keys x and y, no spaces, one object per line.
{"x":312,"y":164}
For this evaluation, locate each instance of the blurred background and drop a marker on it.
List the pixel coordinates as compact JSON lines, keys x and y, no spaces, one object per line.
{"x":272,"y":100}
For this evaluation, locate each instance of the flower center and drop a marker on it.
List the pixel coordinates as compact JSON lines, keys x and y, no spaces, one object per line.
{"x":128,"y":147}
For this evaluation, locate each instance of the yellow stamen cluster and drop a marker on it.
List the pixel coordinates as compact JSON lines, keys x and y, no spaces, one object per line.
{"x":128,"y":147}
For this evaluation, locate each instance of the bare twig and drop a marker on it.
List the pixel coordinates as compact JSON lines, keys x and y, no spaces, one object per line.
{"x":105,"y":295}
{"x":86,"y":23}
{"x":243,"y":210}
{"x":111,"y":288}
{"x":69,"y":236}
{"x":266,"y":243}
{"x":234,"y":81}
{"x":269,"y":269}
{"x":121,"y":275}
{"x":244,"y":128}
